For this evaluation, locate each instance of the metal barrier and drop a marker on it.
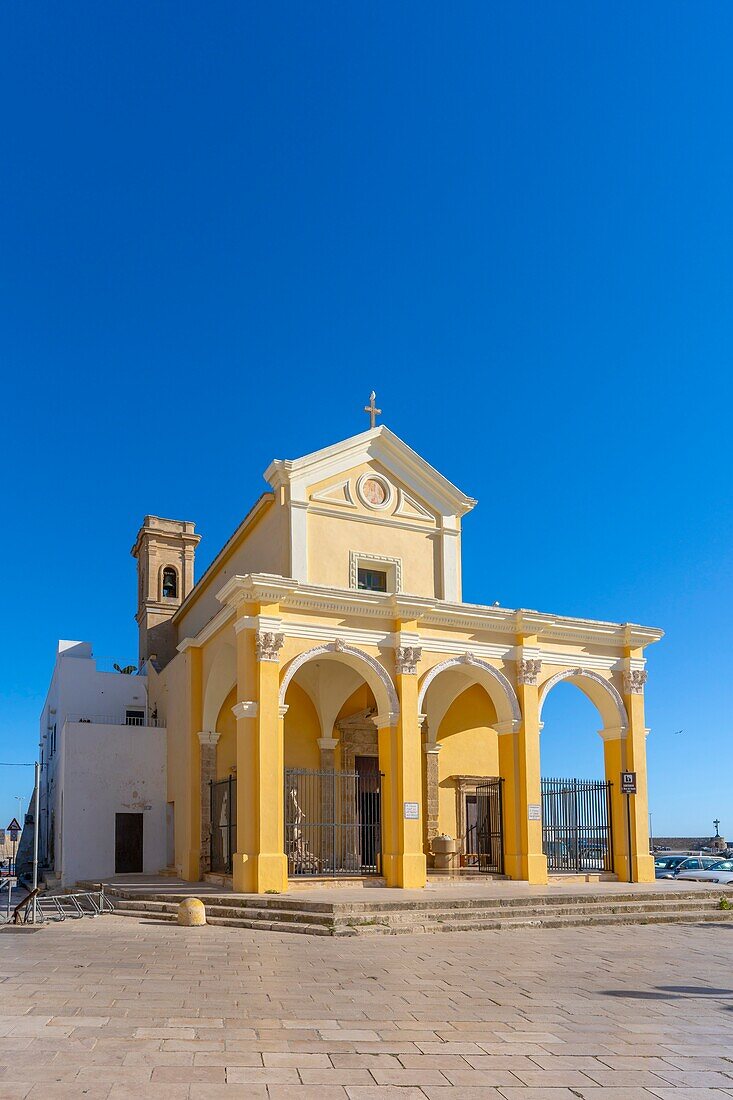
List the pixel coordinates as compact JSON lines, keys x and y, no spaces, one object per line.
{"x":576,"y":825}
{"x":490,"y":826}
{"x":223,"y":842}
{"x":37,"y":908}
{"x":6,"y":884}
{"x":333,"y":821}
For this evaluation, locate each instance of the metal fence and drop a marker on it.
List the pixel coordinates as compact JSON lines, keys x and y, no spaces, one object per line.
{"x":333,"y":822}
{"x":490,"y":826}
{"x":223,"y":824}
{"x":576,"y":825}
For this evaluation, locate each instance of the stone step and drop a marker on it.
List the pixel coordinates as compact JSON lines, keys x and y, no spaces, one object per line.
{"x":289,"y":903}
{"x":383,"y":928}
{"x":389,"y":921}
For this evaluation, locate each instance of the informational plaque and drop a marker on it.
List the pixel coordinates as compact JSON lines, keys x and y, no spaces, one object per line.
{"x":628,"y":782}
{"x":534,"y":812}
{"x":412,"y":811}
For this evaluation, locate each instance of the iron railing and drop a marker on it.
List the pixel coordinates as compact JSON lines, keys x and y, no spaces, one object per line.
{"x":117,"y":720}
{"x":333,"y":822}
{"x":490,"y":826}
{"x":576,"y":825}
{"x":223,"y":794}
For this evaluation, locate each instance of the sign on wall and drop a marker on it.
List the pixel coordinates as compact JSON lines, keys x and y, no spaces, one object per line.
{"x":628,"y":782}
{"x":534,"y":812}
{"x":412,"y":811}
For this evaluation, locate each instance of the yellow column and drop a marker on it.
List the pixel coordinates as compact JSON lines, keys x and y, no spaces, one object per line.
{"x":642,"y":862}
{"x":192,"y":868}
{"x":400,"y":752}
{"x":259,"y":863}
{"x":531,"y":859}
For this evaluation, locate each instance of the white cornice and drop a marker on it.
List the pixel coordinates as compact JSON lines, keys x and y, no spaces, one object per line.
{"x":378,"y":444}
{"x":468,"y":618}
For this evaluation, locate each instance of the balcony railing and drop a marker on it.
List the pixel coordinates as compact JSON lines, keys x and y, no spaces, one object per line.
{"x":117,"y":720}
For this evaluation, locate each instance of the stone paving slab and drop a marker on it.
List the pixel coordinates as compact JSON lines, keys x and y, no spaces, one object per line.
{"x":115,"y":1009}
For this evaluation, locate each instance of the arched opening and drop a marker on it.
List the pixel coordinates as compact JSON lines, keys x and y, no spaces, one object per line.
{"x":335,"y":697}
{"x":581,"y":714}
{"x":470,"y":708}
{"x":170,"y":583}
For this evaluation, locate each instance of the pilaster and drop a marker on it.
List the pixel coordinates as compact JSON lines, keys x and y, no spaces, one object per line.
{"x":260,"y":863}
{"x":207,"y":754}
{"x":528,"y":858}
{"x":192,"y":865}
{"x":404,"y":858}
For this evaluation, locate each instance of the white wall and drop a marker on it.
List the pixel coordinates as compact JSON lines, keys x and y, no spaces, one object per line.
{"x":109,"y":770}
{"x":96,"y":774}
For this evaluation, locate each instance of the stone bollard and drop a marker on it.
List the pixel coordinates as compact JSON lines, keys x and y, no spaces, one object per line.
{"x":191,"y":913}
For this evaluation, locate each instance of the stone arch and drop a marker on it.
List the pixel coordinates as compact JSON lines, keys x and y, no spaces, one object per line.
{"x":219,"y":682}
{"x":373,"y":672}
{"x":497,"y":686}
{"x":600,"y":691}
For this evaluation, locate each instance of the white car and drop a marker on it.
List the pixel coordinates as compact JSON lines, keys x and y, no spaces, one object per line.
{"x":722,"y":871}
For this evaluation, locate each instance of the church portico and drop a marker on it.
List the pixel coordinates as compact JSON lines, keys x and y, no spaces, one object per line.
{"x":328,"y":672}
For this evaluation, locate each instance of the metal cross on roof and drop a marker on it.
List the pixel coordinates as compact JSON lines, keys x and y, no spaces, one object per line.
{"x":372,"y":409}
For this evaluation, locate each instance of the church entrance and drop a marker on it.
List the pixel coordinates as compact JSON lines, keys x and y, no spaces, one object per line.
{"x":333,"y":820}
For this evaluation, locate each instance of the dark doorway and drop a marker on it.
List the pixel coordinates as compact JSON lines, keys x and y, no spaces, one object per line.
{"x":470,"y":856}
{"x":490,"y":826}
{"x":128,"y":844}
{"x":369,"y":810}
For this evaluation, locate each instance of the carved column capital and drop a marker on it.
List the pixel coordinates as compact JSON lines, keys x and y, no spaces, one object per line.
{"x":528,"y":670}
{"x":208,"y":737}
{"x":407,"y":658}
{"x":634,"y":681}
{"x":268,"y":645}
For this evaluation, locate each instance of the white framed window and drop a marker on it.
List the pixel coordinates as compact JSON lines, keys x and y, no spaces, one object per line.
{"x":374,"y":572}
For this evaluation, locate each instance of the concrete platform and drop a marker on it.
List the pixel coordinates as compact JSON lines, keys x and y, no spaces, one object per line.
{"x":452,"y":907}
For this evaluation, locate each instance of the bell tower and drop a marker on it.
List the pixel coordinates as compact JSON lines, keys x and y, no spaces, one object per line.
{"x":165,"y":550}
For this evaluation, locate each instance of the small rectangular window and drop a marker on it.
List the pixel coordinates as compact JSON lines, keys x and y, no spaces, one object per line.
{"x":134,"y":717}
{"x":372,"y":580}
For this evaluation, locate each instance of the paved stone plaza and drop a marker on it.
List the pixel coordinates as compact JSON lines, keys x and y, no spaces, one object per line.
{"x":116,"y":1008}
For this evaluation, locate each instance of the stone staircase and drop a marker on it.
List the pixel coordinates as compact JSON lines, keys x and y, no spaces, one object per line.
{"x":287,"y":913}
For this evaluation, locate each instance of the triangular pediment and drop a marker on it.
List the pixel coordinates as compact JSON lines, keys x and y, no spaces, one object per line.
{"x":421,"y":491}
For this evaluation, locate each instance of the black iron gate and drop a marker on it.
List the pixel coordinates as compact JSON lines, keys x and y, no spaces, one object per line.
{"x":223,"y":824}
{"x":333,"y":822}
{"x":489,"y":826}
{"x":576,"y":825}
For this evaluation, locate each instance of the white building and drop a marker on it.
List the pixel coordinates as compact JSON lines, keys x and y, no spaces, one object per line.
{"x":103,"y":780}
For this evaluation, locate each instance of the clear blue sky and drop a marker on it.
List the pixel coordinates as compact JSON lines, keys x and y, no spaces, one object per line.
{"x":222,"y":225}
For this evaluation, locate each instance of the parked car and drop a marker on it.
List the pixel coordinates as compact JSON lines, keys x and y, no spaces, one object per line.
{"x":722,"y":871}
{"x":673,"y":866}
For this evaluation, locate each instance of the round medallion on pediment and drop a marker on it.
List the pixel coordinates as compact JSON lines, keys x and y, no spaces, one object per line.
{"x":374,"y":491}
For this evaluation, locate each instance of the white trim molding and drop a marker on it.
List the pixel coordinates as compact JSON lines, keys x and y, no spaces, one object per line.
{"x":359,"y":561}
{"x":484,"y":671}
{"x":587,"y":674}
{"x":208,"y":737}
{"x":387,"y":486}
{"x":246,"y":709}
{"x":379,"y":677}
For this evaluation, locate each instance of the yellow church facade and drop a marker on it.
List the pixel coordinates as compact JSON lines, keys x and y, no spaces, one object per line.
{"x":334,"y":708}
